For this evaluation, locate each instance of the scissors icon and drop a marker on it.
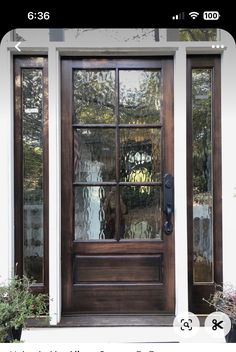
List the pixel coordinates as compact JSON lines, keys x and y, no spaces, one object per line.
{"x":217,"y":324}
{"x":186,"y":324}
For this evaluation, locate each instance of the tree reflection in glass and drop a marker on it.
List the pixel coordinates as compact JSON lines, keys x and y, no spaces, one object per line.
{"x":139,"y":96}
{"x":202,"y":175}
{"x":32,"y":135}
{"x":94,"y":96}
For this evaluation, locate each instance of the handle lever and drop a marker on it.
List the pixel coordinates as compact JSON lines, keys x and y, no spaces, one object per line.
{"x":168,"y":206}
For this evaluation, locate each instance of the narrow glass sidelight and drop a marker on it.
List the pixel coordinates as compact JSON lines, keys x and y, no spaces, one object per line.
{"x":33,"y":178}
{"x":31,"y":169}
{"x":202,"y":176}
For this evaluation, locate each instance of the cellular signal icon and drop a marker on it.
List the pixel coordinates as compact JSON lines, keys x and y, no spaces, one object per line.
{"x":180,"y":16}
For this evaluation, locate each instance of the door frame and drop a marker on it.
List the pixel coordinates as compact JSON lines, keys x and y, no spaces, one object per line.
{"x":66,"y":161}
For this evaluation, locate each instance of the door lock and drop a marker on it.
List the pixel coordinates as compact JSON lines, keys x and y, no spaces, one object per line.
{"x":168,"y":202}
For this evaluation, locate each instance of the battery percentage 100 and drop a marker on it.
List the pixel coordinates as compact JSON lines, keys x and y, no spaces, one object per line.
{"x":211,"y":15}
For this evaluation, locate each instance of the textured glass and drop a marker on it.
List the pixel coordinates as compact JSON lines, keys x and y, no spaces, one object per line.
{"x":32,"y":135}
{"x":95,"y":212}
{"x":139,"y":96}
{"x":202,"y":175}
{"x":94,"y":155}
{"x":141,"y":218}
{"x":94,"y":96}
{"x":140,"y":154}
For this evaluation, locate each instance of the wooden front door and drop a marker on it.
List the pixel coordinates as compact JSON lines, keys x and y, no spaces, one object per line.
{"x":117,"y":145}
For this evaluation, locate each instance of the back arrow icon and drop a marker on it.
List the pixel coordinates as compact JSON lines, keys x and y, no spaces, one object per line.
{"x":17,"y":46}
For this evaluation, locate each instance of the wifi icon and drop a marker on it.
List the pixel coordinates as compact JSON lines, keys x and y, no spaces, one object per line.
{"x":193,"y":14}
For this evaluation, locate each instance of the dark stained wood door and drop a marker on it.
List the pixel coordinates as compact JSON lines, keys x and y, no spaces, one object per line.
{"x":117,"y":144}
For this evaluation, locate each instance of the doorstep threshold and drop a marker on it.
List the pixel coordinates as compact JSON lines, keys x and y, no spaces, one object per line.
{"x":108,"y":320}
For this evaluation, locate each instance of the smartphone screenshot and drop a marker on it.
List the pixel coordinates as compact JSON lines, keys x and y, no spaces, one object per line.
{"x":118,"y":183}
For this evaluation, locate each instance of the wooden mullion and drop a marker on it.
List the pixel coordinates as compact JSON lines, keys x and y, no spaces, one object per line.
{"x":117,"y":224}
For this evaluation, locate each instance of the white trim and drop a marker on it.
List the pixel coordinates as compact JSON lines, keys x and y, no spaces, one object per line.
{"x":168,"y":48}
{"x":54,"y":186}
{"x":162,"y":35}
{"x":7,"y":165}
{"x":228,"y":127}
{"x":181,"y":260}
{"x":99,"y":46}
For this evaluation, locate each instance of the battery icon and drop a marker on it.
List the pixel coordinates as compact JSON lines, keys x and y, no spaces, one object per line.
{"x":211,"y":15}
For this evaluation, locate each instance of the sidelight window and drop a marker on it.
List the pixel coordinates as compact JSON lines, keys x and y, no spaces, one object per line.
{"x":31,"y":169}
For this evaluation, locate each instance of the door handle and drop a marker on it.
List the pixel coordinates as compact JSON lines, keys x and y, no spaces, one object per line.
{"x":168,"y":202}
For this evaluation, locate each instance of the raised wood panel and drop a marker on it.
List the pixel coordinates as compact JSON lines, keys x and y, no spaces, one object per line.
{"x":117,"y":268}
{"x":119,"y":298}
{"x":199,"y":292}
{"x":121,"y":247}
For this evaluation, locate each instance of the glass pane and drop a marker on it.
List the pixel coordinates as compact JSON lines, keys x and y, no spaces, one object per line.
{"x":198,"y":34}
{"x":141,"y":218}
{"x":94,"y":155}
{"x":32,"y":135}
{"x":191,"y":34}
{"x":140,"y":96}
{"x":140,"y":155}
{"x":202,"y":175}
{"x":94,"y":96}
{"x":95,"y":212}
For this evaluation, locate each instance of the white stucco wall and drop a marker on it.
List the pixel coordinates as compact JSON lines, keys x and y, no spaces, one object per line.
{"x":179,"y":51}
